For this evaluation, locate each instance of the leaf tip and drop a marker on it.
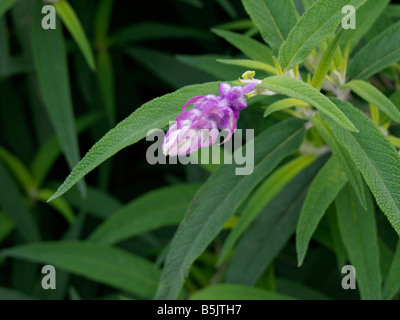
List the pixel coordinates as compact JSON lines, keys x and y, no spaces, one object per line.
{"x":300,"y":261}
{"x":54,"y":196}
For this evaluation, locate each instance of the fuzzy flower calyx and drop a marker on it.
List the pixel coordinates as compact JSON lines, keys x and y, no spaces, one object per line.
{"x":198,"y":127}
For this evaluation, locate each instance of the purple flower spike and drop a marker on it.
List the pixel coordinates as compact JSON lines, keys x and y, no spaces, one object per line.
{"x":198,"y":127}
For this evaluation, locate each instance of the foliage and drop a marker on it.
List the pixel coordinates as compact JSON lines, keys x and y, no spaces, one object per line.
{"x":324,"y":192}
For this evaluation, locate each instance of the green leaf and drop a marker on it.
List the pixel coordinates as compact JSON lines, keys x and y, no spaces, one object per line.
{"x":13,"y":205}
{"x":71,"y":21}
{"x":5,"y":5}
{"x":96,"y":202}
{"x":145,"y":214}
{"x":300,"y":90}
{"x":103,"y":17}
{"x":154,"y":114}
{"x":250,"y":47}
{"x":47,"y":155}
{"x":273,"y":18}
{"x":107,"y":265}
{"x":366,"y":17}
{"x":352,"y":173}
{"x":298,"y":290}
{"x":378,"y":54}
{"x":250,"y":64}
{"x":375,"y":157}
{"x":386,"y":256}
{"x":242,"y":24}
{"x":51,"y":67}
{"x":284,"y":104}
{"x":373,"y":96}
{"x":393,"y":10}
{"x":323,"y":190}
{"x":392,"y":282}
{"x":261,"y":197}
{"x":315,"y":26}
{"x":337,"y":244}
{"x":326,"y":61}
{"x":156,"y":30}
{"x":218,"y":199}
{"x":269,"y":233}
{"x":307,"y":4}
{"x":19,"y":170}
{"x":359,"y":234}
{"x":11,"y":294}
{"x":236,"y":292}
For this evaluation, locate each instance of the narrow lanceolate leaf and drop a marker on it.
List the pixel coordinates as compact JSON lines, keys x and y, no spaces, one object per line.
{"x":300,"y":90}
{"x":13,"y":205}
{"x":307,"y":4}
{"x":250,"y":47}
{"x":298,"y":290}
{"x":352,"y":173}
{"x":392,"y":282}
{"x":5,"y":5}
{"x":337,"y":243}
{"x":11,"y":294}
{"x":373,"y":96}
{"x":393,"y":10}
{"x":269,"y":233}
{"x":326,"y":61}
{"x":218,"y":199}
{"x":378,"y":54}
{"x":48,"y":153}
{"x":71,"y":21}
{"x":237,"y":292}
{"x":154,"y":114}
{"x":98,"y":203}
{"x":359,"y":234}
{"x":365,"y":19}
{"x":250,"y":64}
{"x":284,"y":104}
{"x":375,"y":157}
{"x":273,"y":18}
{"x":18,"y":169}
{"x":146,"y":214}
{"x":261,"y":197}
{"x":315,"y":25}
{"x":51,"y":67}
{"x":323,"y":190}
{"x":107,"y":265}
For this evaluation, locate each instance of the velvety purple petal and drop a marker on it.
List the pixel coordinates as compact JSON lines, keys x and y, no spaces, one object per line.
{"x":223,"y":89}
{"x":188,"y":115}
{"x":190,"y":101}
{"x":234,"y":94}
{"x":229,"y":122}
{"x":240,"y":104}
{"x":248,"y":88}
